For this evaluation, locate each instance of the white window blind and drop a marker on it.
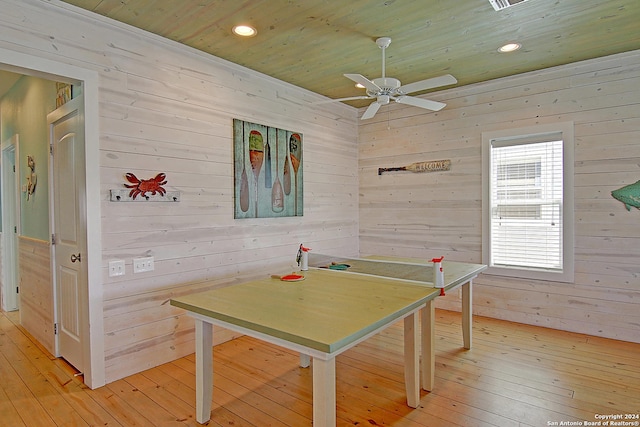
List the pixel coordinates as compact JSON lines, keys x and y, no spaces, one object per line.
{"x":526,"y":197}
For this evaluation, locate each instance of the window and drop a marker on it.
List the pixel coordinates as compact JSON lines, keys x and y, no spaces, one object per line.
{"x":528,"y":202}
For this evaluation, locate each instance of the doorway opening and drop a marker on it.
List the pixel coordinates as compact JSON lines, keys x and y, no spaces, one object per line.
{"x":92,"y":335}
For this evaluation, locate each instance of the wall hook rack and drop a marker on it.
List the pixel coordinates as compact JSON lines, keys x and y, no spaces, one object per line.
{"x":149,"y":190}
{"x":124,"y":196}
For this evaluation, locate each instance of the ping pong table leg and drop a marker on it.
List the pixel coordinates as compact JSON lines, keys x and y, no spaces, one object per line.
{"x":467,"y":313}
{"x":411,"y":360}
{"x":204,"y":370}
{"x":324,"y":392}
{"x":428,"y":346}
{"x":305,"y":360}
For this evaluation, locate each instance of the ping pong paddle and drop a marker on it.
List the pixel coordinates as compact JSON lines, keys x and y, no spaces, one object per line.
{"x":293,"y":277}
{"x":336,"y":266}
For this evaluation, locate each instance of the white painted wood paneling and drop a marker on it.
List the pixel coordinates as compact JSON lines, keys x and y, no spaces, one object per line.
{"x":36,"y":292}
{"x":167,"y":108}
{"x":439,"y":213}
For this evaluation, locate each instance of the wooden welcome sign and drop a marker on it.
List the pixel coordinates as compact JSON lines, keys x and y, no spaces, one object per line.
{"x":432,"y":166}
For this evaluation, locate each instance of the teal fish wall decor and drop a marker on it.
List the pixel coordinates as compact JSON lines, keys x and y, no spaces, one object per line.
{"x":629,"y":195}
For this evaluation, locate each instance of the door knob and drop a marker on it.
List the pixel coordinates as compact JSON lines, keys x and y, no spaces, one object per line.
{"x":75,"y":258}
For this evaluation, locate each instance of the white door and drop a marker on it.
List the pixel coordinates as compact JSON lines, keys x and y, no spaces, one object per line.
{"x":10,"y":224}
{"x":69,"y":229}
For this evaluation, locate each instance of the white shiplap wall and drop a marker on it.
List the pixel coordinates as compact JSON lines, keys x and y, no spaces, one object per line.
{"x":166,"y":108}
{"x":432,"y":214}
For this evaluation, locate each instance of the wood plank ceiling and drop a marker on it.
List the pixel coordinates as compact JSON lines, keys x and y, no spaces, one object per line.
{"x":312,"y":43}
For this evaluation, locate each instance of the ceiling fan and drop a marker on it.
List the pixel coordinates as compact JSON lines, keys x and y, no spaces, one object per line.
{"x":385,"y":89}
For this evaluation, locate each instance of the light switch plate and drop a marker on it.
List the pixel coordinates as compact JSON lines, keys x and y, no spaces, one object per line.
{"x":141,"y":265}
{"x":116,"y":268}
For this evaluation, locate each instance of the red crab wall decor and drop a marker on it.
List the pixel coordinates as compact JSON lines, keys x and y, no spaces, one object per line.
{"x":144,"y":186}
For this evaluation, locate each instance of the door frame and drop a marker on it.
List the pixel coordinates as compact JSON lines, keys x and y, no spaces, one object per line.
{"x":10,"y":218}
{"x":94,"y":354}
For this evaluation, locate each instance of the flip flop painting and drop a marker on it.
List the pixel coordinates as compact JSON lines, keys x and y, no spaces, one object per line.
{"x":629,"y":195}
{"x":267,"y":162}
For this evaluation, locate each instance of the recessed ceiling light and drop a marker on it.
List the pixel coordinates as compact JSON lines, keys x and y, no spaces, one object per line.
{"x":245,"y":30}
{"x":359,"y":85}
{"x":509,"y":47}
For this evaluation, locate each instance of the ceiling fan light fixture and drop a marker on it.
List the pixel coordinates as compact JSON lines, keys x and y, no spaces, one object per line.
{"x":244,"y":30}
{"x":509,"y":47}
{"x":385,"y":89}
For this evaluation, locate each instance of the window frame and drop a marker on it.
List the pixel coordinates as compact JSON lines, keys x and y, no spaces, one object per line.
{"x":517,"y":136}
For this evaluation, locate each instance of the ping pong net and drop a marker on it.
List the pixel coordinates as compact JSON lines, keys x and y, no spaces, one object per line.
{"x":416,"y":272}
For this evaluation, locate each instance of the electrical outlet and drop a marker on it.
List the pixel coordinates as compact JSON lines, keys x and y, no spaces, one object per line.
{"x":116,"y":268}
{"x":141,"y":265}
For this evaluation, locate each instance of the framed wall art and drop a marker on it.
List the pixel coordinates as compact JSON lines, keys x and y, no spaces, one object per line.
{"x":64,"y":94}
{"x":268,"y":171}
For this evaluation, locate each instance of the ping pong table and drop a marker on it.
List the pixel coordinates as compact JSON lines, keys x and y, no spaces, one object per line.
{"x":327,"y":313}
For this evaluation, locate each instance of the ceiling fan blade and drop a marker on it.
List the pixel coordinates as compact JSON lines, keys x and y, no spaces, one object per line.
{"x":371,"y":111}
{"x":358,"y":78}
{"x":419,"y":102}
{"x":445,"y":80}
{"x":350,"y":98}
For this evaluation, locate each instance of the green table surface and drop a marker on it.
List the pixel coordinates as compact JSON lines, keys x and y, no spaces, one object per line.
{"x":455,"y":273}
{"x":326,"y":311}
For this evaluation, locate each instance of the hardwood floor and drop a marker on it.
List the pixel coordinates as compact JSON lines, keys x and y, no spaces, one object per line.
{"x":515,"y":375}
